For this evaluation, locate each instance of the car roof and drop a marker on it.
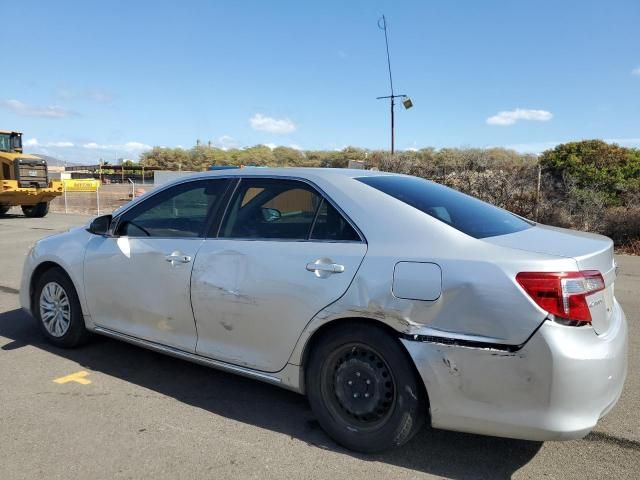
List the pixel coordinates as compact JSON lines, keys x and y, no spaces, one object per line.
{"x":311,"y":174}
{"x":302,"y":172}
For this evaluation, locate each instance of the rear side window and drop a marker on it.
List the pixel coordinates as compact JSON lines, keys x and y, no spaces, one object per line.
{"x":462,"y":212}
{"x":269,"y":209}
{"x":332,"y":226}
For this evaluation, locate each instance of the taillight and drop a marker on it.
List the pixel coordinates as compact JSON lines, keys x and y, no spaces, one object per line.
{"x":562,"y":293}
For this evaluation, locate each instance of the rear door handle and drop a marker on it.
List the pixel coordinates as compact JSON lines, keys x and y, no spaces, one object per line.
{"x":325,"y":268}
{"x":177,"y":257}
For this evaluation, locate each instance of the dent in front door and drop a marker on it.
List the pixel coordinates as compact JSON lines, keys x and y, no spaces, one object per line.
{"x":252,"y":299}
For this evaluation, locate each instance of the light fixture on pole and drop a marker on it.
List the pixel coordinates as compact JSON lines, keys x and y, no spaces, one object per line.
{"x":406,"y":101}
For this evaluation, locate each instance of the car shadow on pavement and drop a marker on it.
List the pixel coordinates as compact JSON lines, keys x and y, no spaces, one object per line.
{"x":437,"y":452}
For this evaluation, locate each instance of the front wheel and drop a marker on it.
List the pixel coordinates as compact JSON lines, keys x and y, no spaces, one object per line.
{"x":364,"y":390}
{"x":38,"y":210}
{"x":3,"y":210}
{"x":58,"y":311}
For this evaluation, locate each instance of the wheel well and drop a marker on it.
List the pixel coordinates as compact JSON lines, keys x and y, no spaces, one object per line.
{"x":39,"y":271}
{"x":319,"y":334}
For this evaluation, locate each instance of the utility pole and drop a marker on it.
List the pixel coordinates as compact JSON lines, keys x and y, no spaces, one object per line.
{"x":406,"y":101}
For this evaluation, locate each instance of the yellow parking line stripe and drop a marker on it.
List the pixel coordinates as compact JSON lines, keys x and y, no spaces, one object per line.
{"x":77,"y":377}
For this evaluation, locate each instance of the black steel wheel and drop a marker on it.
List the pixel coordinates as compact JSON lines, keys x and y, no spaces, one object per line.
{"x":364,"y":389}
{"x":358,"y":386}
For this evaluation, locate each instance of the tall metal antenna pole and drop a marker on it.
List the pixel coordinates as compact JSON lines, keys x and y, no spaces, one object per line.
{"x":386,"y":41}
{"x":382,"y":25}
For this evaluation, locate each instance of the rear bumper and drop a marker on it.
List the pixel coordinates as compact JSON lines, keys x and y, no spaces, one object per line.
{"x":555,"y":388}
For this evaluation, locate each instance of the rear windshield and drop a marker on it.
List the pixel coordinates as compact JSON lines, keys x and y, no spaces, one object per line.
{"x":463,"y":212}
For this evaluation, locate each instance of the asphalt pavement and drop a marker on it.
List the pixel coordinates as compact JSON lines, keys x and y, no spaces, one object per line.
{"x":110,"y":410}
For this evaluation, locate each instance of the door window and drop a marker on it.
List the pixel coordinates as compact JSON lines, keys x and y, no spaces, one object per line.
{"x":180,"y":211}
{"x":283,"y":209}
{"x":332,"y":226}
{"x":268,"y":208}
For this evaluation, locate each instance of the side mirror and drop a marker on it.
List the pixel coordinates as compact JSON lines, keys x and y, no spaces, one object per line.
{"x":271,"y":214}
{"x":100,"y":225}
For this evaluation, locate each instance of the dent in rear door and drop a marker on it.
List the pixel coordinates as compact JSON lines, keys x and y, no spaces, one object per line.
{"x":252,"y":299}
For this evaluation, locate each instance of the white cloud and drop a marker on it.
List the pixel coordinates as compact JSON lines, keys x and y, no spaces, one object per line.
{"x":270,"y":145}
{"x":100,"y":95}
{"x":33,"y":142}
{"x":295,"y":146}
{"x":134,"y":147}
{"x":129,"y":147}
{"x":263,"y":123}
{"x":225,"y":142}
{"x":21,"y":108}
{"x":512,"y":116}
{"x":636,"y":71}
{"x":94,"y":146}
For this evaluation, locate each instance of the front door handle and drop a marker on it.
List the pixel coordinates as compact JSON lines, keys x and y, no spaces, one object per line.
{"x":177,"y":257}
{"x":323,"y":267}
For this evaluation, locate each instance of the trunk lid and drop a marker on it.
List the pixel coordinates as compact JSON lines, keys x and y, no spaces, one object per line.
{"x":590,"y":251}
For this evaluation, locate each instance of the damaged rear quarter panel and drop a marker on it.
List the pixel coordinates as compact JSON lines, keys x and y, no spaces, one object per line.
{"x":480,"y":299}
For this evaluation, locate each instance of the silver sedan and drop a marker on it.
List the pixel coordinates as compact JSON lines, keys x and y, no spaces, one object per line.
{"x":387,"y":299}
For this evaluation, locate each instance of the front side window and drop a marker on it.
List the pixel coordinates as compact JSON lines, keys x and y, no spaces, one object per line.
{"x":462,"y":212}
{"x":180,"y":211}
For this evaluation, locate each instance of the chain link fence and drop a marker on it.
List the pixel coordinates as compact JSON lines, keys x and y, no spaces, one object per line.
{"x":103,"y":201}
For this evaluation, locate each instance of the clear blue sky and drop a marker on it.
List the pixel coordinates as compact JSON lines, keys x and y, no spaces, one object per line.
{"x":85,"y":80}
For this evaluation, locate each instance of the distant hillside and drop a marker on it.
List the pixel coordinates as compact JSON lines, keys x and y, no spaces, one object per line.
{"x":54,"y":162}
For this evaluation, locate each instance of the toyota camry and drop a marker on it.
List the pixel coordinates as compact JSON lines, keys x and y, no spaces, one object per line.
{"x":389,"y":300}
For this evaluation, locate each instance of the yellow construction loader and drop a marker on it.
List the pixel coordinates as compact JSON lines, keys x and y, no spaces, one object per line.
{"x":24,"y":178}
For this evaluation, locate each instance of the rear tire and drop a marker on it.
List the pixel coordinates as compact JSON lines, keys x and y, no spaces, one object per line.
{"x":36,"y":211}
{"x":57,"y":310}
{"x":364,"y":389}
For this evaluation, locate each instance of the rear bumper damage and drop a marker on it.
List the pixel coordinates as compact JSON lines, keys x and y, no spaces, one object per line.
{"x":555,"y":387}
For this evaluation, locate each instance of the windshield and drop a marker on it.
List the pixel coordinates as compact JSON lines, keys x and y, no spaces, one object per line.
{"x":5,"y":142}
{"x":462,"y":212}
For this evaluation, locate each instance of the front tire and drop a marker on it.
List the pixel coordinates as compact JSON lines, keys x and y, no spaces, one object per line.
{"x":364,"y":390}
{"x":38,"y":210}
{"x":57,"y":310}
{"x":3,"y":210}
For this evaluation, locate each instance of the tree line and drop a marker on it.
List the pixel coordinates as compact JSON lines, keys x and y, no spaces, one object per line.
{"x":589,"y":185}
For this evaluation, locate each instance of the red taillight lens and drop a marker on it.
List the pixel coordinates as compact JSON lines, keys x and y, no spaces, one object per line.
{"x":562,"y":293}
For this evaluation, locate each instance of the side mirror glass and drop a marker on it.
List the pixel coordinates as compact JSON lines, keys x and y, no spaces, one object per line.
{"x":100,"y":225}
